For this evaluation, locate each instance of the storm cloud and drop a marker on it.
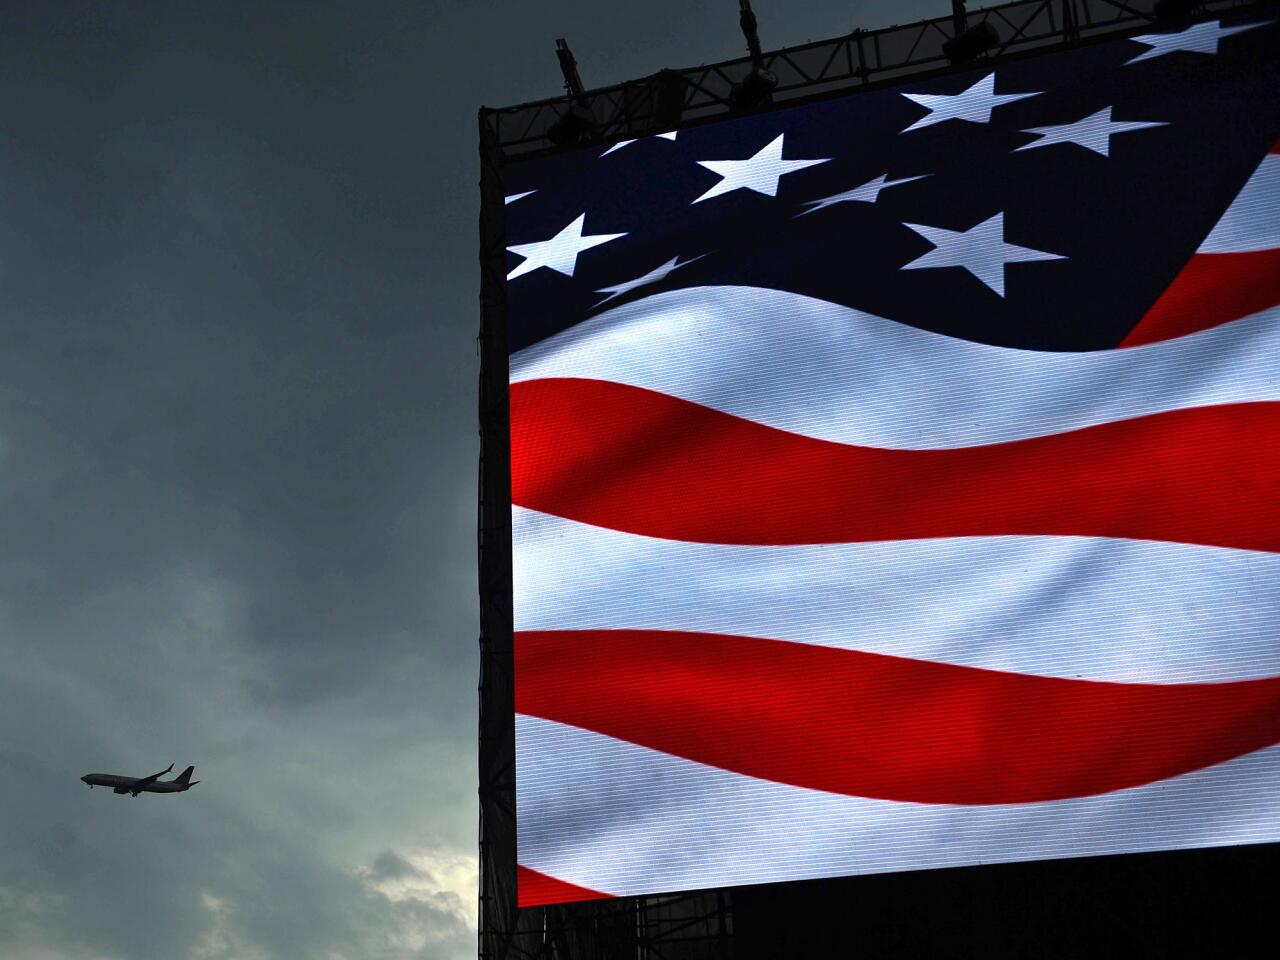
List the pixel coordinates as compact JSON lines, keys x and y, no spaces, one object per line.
{"x":238,"y":308}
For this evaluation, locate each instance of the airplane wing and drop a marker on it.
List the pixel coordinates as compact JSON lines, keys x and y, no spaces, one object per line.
{"x":153,"y":778}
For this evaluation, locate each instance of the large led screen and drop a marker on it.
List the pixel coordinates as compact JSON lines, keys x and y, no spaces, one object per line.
{"x":896,"y":478}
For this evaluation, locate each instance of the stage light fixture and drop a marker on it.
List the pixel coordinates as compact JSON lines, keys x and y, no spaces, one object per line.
{"x":668,"y":99}
{"x":756,"y":88}
{"x":973,"y":42}
{"x":576,"y":124}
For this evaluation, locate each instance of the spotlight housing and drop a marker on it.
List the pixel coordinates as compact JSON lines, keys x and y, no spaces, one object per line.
{"x":970,"y":44}
{"x":668,"y":99}
{"x":576,"y":125}
{"x":756,"y":89}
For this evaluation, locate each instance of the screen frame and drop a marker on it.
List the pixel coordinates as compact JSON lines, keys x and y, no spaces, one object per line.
{"x":503,"y":924}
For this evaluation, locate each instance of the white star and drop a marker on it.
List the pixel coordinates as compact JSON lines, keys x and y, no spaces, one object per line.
{"x":669,"y":135}
{"x":1197,"y":38}
{"x":867,"y":193}
{"x":974,"y":104}
{"x":560,"y":253}
{"x":759,"y":172}
{"x":1094,"y":132}
{"x":513,"y":197}
{"x":981,"y":250}
{"x":653,"y":276}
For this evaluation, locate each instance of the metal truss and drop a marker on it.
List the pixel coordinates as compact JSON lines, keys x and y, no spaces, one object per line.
{"x":674,"y":98}
{"x":697,"y":926}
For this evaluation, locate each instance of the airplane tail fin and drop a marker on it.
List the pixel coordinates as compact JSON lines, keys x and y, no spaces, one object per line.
{"x":185,"y":776}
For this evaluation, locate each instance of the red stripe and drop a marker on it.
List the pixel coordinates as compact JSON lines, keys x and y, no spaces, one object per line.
{"x":535,"y":889}
{"x":871,"y":725}
{"x":1275,"y":147}
{"x":634,"y":460}
{"x":1212,"y":289}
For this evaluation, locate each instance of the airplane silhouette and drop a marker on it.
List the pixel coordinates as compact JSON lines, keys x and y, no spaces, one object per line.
{"x":137,"y":785}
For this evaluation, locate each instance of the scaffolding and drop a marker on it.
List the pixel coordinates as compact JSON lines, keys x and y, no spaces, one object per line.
{"x":861,"y":58}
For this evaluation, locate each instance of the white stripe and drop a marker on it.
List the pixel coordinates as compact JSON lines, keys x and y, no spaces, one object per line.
{"x":622,"y":819}
{"x":1100,"y":609}
{"x":1252,"y":222}
{"x":835,"y":373}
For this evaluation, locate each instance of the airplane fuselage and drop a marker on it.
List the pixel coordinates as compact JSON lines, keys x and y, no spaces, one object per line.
{"x":130,"y":784}
{"x":137,"y":785}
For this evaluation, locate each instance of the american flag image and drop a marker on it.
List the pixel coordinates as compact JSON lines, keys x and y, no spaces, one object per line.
{"x":895,"y":477}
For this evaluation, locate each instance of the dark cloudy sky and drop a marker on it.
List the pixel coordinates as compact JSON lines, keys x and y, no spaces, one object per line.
{"x":238,"y":308}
